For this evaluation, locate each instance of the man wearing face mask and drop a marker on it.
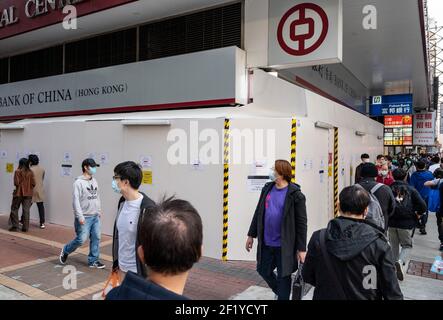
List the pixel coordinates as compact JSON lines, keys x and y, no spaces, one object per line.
{"x":385,"y":176}
{"x":364,"y":159}
{"x":133,"y":203}
{"x":87,"y":211}
{"x":280,"y":226}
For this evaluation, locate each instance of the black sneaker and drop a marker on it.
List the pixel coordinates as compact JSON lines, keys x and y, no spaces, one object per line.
{"x":63,"y":257}
{"x":423,"y":231}
{"x":97,"y":265}
{"x":13,"y":229}
{"x":441,"y":247}
{"x":400,"y":272}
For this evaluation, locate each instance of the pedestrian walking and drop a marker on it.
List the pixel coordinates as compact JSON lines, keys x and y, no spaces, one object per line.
{"x":24,"y":183}
{"x":87,"y":212}
{"x":280,"y":225}
{"x":351,"y":260}
{"x":38,"y":196}
{"x":410,"y":206}
{"x":126,"y":182}
{"x":171,"y":238}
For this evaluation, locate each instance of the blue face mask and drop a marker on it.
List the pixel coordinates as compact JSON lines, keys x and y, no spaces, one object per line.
{"x":272,"y":175}
{"x":92,"y":170}
{"x":115,"y":187}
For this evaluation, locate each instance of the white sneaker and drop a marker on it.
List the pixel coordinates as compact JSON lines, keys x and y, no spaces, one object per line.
{"x":42,"y":226}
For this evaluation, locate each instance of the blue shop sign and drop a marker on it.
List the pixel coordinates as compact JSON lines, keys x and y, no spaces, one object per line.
{"x":399,"y":104}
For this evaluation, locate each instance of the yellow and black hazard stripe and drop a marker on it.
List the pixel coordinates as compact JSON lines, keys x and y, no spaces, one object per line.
{"x":336,"y":172}
{"x":293,"y":148}
{"x":226,"y":189}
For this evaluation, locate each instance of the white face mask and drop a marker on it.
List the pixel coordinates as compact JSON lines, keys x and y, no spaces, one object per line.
{"x":366,"y":160}
{"x":384,"y":173}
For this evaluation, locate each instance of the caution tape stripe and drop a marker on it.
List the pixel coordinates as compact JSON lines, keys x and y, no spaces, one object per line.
{"x":336,"y":141}
{"x":293,"y":148}
{"x":226,"y":189}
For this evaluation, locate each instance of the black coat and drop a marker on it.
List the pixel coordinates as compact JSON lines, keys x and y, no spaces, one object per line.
{"x":352,"y":245}
{"x":384,"y":196}
{"x":294,"y":226}
{"x":358,"y":173}
{"x":134,"y":287}
{"x":419,"y":207}
{"x":146,"y":203}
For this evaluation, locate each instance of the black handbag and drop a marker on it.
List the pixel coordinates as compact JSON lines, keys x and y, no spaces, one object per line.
{"x":299,"y":287}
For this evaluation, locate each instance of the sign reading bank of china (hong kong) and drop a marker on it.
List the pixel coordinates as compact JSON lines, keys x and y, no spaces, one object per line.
{"x":210,"y":78}
{"x":20,"y":16}
{"x":305,"y":33}
{"x":398,"y":104}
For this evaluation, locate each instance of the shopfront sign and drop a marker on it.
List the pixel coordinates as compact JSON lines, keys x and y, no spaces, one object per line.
{"x":169,"y":83}
{"x":20,"y":16}
{"x":305,"y":33}
{"x":400,"y":104}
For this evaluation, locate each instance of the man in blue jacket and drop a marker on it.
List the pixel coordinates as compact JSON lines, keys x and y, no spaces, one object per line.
{"x":417,"y":181}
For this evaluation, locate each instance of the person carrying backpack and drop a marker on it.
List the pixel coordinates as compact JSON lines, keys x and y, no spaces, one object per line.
{"x":343,"y":257}
{"x":409,"y":207}
{"x":381,"y":198}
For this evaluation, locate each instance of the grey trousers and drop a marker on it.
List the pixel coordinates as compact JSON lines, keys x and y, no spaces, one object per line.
{"x":401,"y":243}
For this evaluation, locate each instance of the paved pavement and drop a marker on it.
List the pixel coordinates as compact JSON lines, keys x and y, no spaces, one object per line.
{"x":29,"y":269}
{"x":429,"y":286}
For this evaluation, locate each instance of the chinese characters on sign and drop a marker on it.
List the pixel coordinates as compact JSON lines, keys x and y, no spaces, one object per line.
{"x":398,"y":131}
{"x":401,"y":104}
{"x":424,"y":129}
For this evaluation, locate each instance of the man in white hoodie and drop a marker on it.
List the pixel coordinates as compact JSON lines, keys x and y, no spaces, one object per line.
{"x":87,"y":211}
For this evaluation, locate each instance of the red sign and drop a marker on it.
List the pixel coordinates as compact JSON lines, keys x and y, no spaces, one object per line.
{"x":21,"y":16}
{"x":303,"y":22}
{"x":398,"y":121}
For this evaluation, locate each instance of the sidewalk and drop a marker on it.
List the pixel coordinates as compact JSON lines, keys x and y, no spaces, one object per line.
{"x":29,"y":268}
{"x":419,"y":283}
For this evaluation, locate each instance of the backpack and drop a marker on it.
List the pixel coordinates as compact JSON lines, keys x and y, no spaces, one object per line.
{"x":375,"y":213}
{"x":403,"y":201}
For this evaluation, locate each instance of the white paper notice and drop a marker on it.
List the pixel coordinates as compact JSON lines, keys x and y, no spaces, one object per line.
{"x":146,"y":161}
{"x":260,"y":168}
{"x":66,"y":171}
{"x":67,"y":157}
{"x":256,"y":183}
{"x":104,"y":158}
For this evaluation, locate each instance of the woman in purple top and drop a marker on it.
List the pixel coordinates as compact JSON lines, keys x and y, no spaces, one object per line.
{"x":280,"y":224}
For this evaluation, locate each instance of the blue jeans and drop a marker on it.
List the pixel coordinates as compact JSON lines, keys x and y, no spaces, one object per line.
{"x":271,"y":259}
{"x":91,"y":228}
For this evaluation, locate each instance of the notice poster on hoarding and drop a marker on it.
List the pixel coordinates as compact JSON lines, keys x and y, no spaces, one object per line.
{"x":9,"y":168}
{"x":424,"y":129}
{"x":147,"y":177}
{"x":256,"y":183}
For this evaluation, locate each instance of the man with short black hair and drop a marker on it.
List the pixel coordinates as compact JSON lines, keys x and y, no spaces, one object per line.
{"x":409,"y":207}
{"x":418,"y":180}
{"x":341,"y":257}
{"x":435,"y":163}
{"x":382,"y":192}
{"x":87,"y":210}
{"x":126,"y":182}
{"x":171,"y":238}
{"x":364,"y":159}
